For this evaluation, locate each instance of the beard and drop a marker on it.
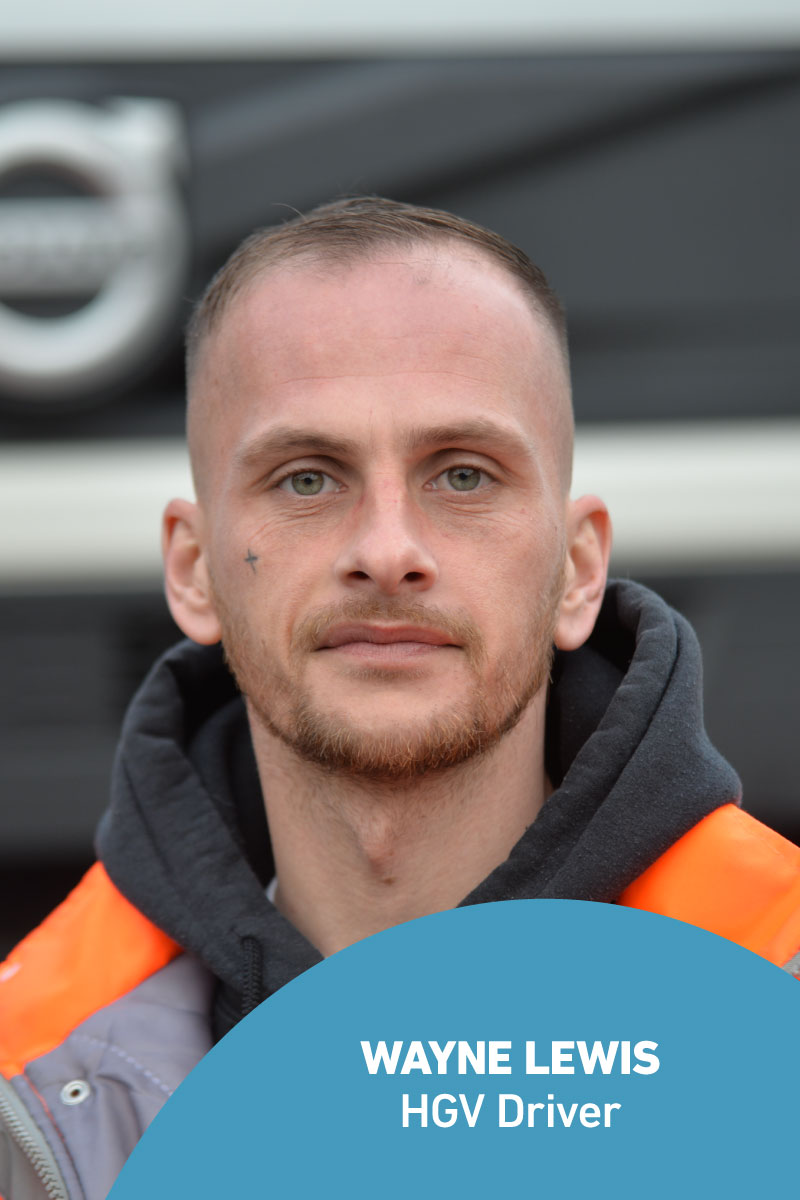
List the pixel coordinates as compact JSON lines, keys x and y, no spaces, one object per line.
{"x":491,"y":705}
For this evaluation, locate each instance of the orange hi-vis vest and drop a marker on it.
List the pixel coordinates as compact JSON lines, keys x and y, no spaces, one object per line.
{"x":733,"y":876}
{"x":729,"y":874}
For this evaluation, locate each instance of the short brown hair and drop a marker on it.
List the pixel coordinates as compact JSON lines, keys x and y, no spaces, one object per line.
{"x":346,"y":230}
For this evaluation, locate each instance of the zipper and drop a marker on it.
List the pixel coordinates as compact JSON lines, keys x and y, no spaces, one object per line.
{"x":31,"y":1142}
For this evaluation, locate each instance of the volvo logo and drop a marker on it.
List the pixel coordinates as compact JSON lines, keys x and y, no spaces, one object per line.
{"x":92,"y":265}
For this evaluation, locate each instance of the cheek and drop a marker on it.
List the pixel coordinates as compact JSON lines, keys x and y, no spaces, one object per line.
{"x":516,"y":576}
{"x":268,"y":588}
{"x":520,"y":552}
{"x":292,"y":555}
{"x":245,"y":550}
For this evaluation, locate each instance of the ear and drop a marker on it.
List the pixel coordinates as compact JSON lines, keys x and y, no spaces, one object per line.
{"x":189,"y":594}
{"x":588,"y":551}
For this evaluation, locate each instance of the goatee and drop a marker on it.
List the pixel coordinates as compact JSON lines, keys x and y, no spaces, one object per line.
{"x":492,"y":702}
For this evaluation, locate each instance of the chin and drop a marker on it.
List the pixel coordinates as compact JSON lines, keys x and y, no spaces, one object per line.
{"x":390,"y":732}
{"x":392,"y":750}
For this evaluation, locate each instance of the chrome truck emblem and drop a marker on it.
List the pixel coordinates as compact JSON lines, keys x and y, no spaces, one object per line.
{"x":91,"y":277}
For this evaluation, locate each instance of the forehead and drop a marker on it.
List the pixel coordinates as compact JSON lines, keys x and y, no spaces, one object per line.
{"x":408,"y":336}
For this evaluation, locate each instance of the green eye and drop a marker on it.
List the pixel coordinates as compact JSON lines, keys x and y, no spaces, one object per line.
{"x":464,"y":479}
{"x":307,"y":483}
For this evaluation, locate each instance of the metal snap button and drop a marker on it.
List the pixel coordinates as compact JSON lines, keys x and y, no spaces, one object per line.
{"x":75,"y":1092}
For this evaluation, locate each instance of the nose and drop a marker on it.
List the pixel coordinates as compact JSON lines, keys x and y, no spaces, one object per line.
{"x":387,"y":546}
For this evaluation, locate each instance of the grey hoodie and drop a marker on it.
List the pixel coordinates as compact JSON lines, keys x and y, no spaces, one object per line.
{"x":185,"y":840}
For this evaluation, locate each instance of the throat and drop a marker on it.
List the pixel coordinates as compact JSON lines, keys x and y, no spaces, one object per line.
{"x":354,"y":857}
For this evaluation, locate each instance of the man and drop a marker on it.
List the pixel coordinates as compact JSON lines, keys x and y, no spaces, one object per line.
{"x":385,"y":545}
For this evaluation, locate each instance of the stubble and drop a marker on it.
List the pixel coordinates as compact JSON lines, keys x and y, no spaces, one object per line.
{"x":493,"y":696}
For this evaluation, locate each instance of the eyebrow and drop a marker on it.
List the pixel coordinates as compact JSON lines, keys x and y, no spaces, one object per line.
{"x":287,"y":441}
{"x":480,"y":429}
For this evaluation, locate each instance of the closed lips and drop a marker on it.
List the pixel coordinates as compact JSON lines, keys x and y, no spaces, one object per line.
{"x":384,"y":635}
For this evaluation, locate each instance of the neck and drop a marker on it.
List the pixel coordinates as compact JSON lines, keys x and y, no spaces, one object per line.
{"x":354,"y":857}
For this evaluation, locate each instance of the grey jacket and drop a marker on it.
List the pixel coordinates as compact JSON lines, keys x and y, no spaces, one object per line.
{"x":69,"y":1121}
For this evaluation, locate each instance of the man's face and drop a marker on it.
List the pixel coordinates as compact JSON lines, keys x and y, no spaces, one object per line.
{"x":383,"y":503}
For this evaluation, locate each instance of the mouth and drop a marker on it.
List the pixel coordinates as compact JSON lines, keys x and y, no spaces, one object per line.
{"x":386,"y":641}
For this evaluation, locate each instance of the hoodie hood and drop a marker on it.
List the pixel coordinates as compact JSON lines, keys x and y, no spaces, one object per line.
{"x":185,"y":838}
